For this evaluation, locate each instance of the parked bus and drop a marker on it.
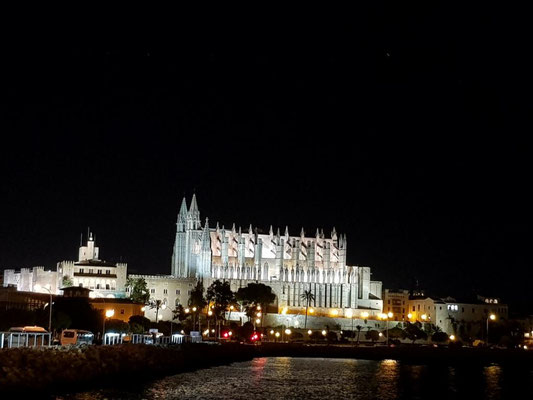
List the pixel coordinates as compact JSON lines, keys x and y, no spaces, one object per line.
{"x":70,"y":337}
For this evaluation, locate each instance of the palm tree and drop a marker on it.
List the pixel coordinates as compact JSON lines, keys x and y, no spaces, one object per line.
{"x":308,"y":297}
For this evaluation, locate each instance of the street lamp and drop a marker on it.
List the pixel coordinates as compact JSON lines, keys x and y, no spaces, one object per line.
{"x":108,"y":314}
{"x":39,"y":288}
{"x":491,"y":317}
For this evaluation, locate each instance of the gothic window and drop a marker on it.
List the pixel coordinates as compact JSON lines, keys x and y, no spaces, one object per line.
{"x":107,"y":286}
{"x":108,"y":272}
{"x":165,"y":291}
{"x":81,"y":270}
{"x":178,"y":292}
{"x":99,"y":272}
{"x":152,"y":291}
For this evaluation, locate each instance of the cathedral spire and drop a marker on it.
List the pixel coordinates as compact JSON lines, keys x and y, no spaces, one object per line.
{"x":302,"y":232}
{"x":183,"y":209}
{"x":271,"y":231}
{"x":286,"y":231}
{"x":194,"y":205}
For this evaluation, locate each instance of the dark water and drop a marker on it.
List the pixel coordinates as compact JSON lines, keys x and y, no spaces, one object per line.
{"x":312,"y":378}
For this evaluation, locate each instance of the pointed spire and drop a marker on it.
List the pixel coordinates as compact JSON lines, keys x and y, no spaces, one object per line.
{"x":317,"y":233}
{"x":183,"y":208}
{"x":286,"y":231}
{"x":334,"y":234}
{"x":194,"y":204}
{"x":277,"y":233}
{"x":302,"y":232}
{"x":250,"y":230}
{"x":240,"y":231}
{"x":233,"y":229}
{"x":271,"y":231}
{"x":217,"y":227}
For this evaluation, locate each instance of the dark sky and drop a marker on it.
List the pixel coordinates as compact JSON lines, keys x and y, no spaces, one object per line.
{"x":405,"y":129}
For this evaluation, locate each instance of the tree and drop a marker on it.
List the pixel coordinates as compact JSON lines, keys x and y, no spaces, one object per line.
{"x":116,"y":326}
{"x":439,"y":337}
{"x":157,"y":304}
{"x":67,"y":281}
{"x":413,"y":332}
{"x":219,"y":293}
{"x":138,"y":289}
{"x":141,"y":321}
{"x":372,"y":335}
{"x":253,"y":295}
{"x":308,"y":297}
{"x":197,"y":300}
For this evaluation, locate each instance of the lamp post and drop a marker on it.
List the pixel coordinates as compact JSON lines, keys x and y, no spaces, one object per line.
{"x":491,"y":317}
{"x":39,"y":288}
{"x":108,"y":314}
{"x":389,"y":315}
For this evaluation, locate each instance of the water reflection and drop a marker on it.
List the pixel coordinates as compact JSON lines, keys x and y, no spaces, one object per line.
{"x":307,"y":378}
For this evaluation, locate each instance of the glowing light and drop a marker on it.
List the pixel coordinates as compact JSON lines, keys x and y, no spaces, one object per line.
{"x":230,"y":333}
{"x":143,"y":309}
{"x":390,"y":314}
{"x":311,"y":310}
{"x":163,"y":306}
{"x":380,"y":334}
{"x":271,"y":331}
{"x":259,"y":314}
{"x":334,"y":312}
{"x":492,"y":317}
{"x":452,"y":337}
{"x":210,"y":313}
{"x":231,"y":307}
{"x":296,"y":323}
{"x":225,"y":334}
{"x":109,"y":313}
{"x":284,"y":311}
{"x":525,"y":347}
{"x":364,"y":314}
{"x":194,"y":309}
{"x":259,"y":307}
{"x":309,"y":332}
{"x":182,"y":332}
{"x":424,"y":317}
{"x":348,"y":314}
{"x":288,"y":331}
{"x":186,"y":311}
{"x":409,"y":315}
{"x":212,"y":330}
{"x":277,"y":334}
{"x":324,"y":333}
{"x":257,"y":321}
{"x":206,"y":332}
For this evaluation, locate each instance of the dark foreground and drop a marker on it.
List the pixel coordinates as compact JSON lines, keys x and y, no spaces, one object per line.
{"x":71,"y":370}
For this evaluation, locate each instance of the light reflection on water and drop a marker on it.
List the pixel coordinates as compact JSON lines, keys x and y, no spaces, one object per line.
{"x":314,"y":378}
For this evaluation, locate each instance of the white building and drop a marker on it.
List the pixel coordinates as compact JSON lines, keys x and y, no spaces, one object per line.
{"x":288,"y":264}
{"x":103,"y":278}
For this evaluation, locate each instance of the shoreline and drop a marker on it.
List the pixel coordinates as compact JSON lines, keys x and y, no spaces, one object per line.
{"x":61,"y":371}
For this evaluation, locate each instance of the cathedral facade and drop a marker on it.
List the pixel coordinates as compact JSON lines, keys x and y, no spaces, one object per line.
{"x":289,"y":264}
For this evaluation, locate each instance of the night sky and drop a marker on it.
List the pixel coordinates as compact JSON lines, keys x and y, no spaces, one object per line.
{"x":405,"y":130}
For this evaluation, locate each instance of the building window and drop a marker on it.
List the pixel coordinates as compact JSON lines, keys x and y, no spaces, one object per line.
{"x":81,"y":285}
{"x":178,"y":292}
{"x":81,"y":270}
{"x":90,"y":270}
{"x":388,"y":301}
{"x":462,"y":309}
{"x":152,"y":291}
{"x":419,"y":307}
{"x":99,"y":272}
{"x":189,"y":292}
{"x":413,"y":308}
{"x":107,"y":286}
{"x":108,"y":272}
{"x":165,"y":291}
{"x":122,"y":311}
{"x":97,"y":286}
